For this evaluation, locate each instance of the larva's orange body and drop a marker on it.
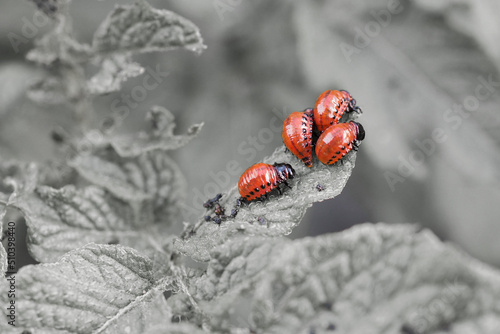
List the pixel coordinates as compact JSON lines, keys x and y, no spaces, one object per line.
{"x":297,"y":135}
{"x":261,"y":178}
{"x":337,"y":140}
{"x":330,"y":106}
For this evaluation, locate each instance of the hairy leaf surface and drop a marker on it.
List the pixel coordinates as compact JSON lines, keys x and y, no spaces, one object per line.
{"x":151,"y":177}
{"x":160,"y":136}
{"x":60,"y":220}
{"x":369,"y":279}
{"x":134,"y":202}
{"x":96,"y":289}
{"x":142,"y":28}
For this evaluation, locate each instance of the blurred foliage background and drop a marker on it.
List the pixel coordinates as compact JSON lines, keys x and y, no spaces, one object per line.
{"x":424,"y":72}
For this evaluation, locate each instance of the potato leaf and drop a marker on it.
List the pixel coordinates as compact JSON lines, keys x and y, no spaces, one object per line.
{"x":60,"y":220}
{"x":152,"y":177}
{"x":142,"y":28}
{"x":95,"y":289}
{"x":159,"y":136}
{"x":369,"y":279}
{"x":276,"y":216}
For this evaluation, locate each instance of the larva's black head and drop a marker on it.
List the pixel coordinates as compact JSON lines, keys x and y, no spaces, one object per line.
{"x":361,"y":131}
{"x":309,"y":112}
{"x":285,"y":171}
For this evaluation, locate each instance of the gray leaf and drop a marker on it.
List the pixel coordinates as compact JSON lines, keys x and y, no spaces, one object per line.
{"x":152,"y":176}
{"x":369,"y":279}
{"x":161,"y":135}
{"x":142,"y":28}
{"x":60,"y":220}
{"x":59,"y":46}
{"x":276,"y":216}
{"x":115,"y":70}
{"x":96,"y":289}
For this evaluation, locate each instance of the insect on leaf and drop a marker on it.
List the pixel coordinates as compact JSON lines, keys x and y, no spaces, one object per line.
{"x":276,"y":216}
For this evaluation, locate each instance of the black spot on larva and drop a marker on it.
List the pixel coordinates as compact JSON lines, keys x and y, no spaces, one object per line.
{"x":304,"y":123}
{"x":257,"y":190}
{"x":304,"y":130}
{"x":338,"y":152}
{"x":331,"y":123}
{"x":343,"y":147}
{"x":252,"y":193}
{"x":263,"y":186}
{"x":306,"y":144}
{"x":334,"y":157}
{"x":268,"y":184}
{"x":247,"y":196}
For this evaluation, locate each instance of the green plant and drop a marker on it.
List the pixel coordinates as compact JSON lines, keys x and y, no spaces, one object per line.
{"x":100,"y":221}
